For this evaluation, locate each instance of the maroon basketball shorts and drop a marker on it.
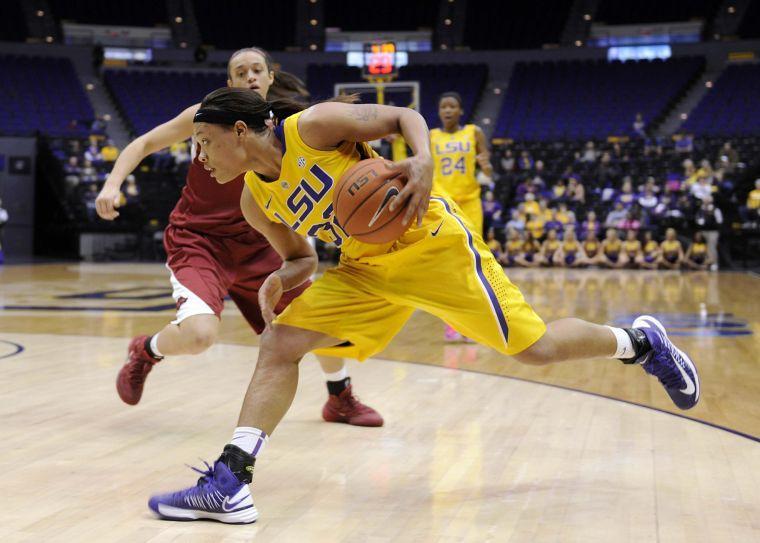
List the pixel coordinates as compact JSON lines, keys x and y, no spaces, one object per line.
{"x":205,"y":269}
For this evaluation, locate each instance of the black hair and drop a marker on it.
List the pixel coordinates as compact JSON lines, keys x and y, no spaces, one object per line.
{"x":451,"y":94}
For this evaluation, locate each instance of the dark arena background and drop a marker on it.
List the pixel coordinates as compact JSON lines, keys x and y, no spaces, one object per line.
{"x":624,"y":132}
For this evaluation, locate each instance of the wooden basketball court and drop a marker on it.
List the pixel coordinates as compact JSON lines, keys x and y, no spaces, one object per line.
{"x":475,"y":448}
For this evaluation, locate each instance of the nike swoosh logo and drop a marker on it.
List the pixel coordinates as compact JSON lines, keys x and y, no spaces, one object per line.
{"x":435,"y":232}
{"x":266,"y":206}
{"x":232,"y":506}
{"x":390,"y":193}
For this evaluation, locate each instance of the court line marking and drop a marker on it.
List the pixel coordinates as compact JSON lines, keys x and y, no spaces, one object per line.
{"x":588,"y":392}
{"x":19,"y":349}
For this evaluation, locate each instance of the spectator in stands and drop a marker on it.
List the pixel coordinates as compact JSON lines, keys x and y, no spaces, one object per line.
{"x":638,"y":126}
{"x":684,"y":143}
{"x":180,"y":152}
{"x":650,"y":253}
{"x":607,"y":171}
{"x":632,"y":220}
{"x":516,"y":222}
{"x":703,"y":188}
{"x":616,"y":216}
{"x":553,"y":223}
{"x":576,"y":192}
{"x":566,"y":216}
{"x":591,"y":249}
{"x":689,"y":173}
{"x":92,"y":153}
{"x":648,"y":201}
{"x":508,"y":161}
{"x":109,"y":152}
{"x":494,"y":245}
{"x":89,"y":201}
{"x":612,"y":249}
{"x":131,"y":191}
{"x":538,"y":181}
{"x":549,"y":248}
{"x":626,"y":196}
{"x":526,"y":161}
{"x":530,"y":255}
{"x":88,"y":173}
{"x":709,"y":219}
{"x":490,"y":207}
{"x":531,"y":205}
{"x":590,"y":153}
{"x":728,"y":157}
{"x":72,"y":173}
{"x":671,"y":251}
{"x":3,"y":221}
{"x":513,"y":247}
{"x":570,"y":252}
{"x":631,"y":250}
{"x":751,"y":212}
{"x":543,"y":207}
{"x":697,"y":256}
{"x":558,"y":191}
{"x":534,"y":224}
{"x":590,"y":226}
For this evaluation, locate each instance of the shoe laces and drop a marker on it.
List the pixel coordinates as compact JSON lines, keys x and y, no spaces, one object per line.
{"x":354,"y":403}
{"x":206,"y":474}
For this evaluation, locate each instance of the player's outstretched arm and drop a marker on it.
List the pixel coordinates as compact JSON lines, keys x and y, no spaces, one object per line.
{"x":300,"y":258}
{"x":177,"y":129}
{"x":325,"y":126}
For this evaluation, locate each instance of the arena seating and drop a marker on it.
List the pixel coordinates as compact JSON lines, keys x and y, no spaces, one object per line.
{"x":731,"y":107}
{"x":467,"y":79}
{"x":615,"y":12}
{"x":149,"y":98}
{"x":42,"y":94}
{"x":234,"y":24}
{"x":586,"y":99}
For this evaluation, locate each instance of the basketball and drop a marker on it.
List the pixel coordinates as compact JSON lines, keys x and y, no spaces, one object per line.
{"x":361,"y":202}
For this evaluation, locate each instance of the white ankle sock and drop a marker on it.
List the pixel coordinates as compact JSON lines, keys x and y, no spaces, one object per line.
{"x":338,"y":375}
{"x":624,"y":348}
{"x":251,"y":440}
{"x":154,"y":345}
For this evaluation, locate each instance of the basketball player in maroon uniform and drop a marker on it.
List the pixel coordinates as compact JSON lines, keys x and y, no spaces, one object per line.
{"x":212,"y":251}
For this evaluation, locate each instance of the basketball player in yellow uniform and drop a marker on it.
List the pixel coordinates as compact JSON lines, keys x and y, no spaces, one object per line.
{"x":456,"y":149}
{"x":294,"y":159}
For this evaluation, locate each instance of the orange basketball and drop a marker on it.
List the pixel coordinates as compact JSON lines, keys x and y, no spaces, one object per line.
{"x":361,"y":202}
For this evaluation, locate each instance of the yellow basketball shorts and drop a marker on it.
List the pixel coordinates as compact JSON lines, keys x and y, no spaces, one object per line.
{"x":473,"y":212}
{"x":441,"y":268}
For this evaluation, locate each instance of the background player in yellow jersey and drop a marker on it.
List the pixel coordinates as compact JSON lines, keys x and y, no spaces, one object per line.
{"x":438,"y":265}
{"x":456,"y":149}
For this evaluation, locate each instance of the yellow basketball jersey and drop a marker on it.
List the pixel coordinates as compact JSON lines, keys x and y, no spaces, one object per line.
{"x":454,"y":157}
{"x":302,"y":197}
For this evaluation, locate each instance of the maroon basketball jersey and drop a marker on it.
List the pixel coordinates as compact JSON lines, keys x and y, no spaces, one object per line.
{"x":209,"y":207}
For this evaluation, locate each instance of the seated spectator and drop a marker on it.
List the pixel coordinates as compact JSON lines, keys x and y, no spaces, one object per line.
{"x":525,"y":162}
{"x":616,"y":216}
{"x":626,"y":196}
{"x":131,"y":190}
{"x":589,"y":153}
{"x":650,"y":253}
{"x":109,"y":152}
{"x":591,"y":248}
{"x":558,"y":191}
{"x":535,"y":226}
{"x":549,"y":248}
{"x":606,"y":171}
{"x":590,"y":225}
{"x":530,"y":255}
{"x":516,"y":222}
{"x":728,"y":157}
{"x":631,"y":221}
{"x":632,"y":254}
{"x":532,"y":207}
{"x":92,"y":153}
{"x":612,"y":248}
{"x":513,"y":247}
{"x":89,"y":202}
{"x":673,"y":183}
{"x":697,"y":256}
{"x":702,"y":188}
{"x":538,"y":179}
{"x":576,"y":192}
{"x":689,"y":173}
{"x":751,"y":213}
{"x":181,"y":153}
{"x":684,"y":143}
{"x":570,"y":252}
{"x":72,"y":173}
{"x":544,"y":210}
{"x":638,"y":126}
{"x":495,"y":245}
{"x":490,"y":207}
{"x":508,"y":161}
{"x":671,"y":252}
{"x":565,"y":216}
{"x":553,"y":223}
{"x":88,"y":173}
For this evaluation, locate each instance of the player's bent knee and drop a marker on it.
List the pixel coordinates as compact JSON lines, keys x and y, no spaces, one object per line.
{"x":199,"y":334}
{"x":277,"y":347}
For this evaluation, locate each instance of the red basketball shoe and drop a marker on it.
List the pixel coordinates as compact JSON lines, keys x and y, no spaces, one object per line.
{"x":348,"y":409}
{"x":131,"y":378}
